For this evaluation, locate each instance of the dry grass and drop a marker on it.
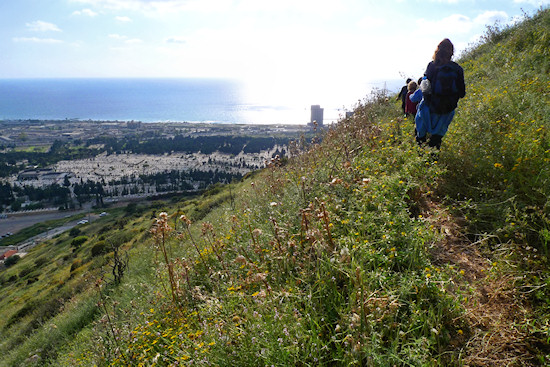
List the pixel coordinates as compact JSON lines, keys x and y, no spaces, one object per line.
{"x":494,"y":309}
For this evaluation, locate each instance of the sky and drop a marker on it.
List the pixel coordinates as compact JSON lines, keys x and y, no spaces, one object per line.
{"x":279,"y":47}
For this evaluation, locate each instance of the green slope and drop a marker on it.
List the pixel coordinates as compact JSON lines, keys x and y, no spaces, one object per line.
{"x":363,"y":249}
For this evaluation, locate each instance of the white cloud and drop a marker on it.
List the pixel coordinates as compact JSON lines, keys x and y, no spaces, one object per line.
{"x":174,"y":6}
{"x":453,"y":24}
{"x":123,"y":19}
{"x":117,"y":36}
{"x":109,"y":4}
{"x":447,"y":1}
{"x":133,"y":41}
{"x":533,"y":2}
{"x":369,"y":22}
{"x":40,"y":26}
{"x":323,"y":8}
{"x":125,"y":39}
{"x":160,"y":6}
{"x":176,"y":40}
{"x":87,"y":12}
{"x":516,"y":19}
{"x":491,"y":17}
{"x":36,"y":40}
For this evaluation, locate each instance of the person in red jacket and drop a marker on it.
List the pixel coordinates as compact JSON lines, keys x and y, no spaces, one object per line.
{"x":403,"y":95}
{"x":410,"y":106}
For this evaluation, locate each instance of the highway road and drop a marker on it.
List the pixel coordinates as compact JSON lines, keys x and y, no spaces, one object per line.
{"x":16,"y":222}
{"x":33,"y":241}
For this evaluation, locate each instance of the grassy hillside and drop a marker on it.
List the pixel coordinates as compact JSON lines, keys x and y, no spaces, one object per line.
{"x":363,"y":249}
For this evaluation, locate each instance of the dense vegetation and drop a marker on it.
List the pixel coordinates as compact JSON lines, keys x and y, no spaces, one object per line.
{"x":57,"y":152}
{"x":364,"y":249}
{"x":188,"y":144}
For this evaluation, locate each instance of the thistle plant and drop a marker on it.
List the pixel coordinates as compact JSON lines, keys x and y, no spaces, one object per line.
{"x":161,"y":230}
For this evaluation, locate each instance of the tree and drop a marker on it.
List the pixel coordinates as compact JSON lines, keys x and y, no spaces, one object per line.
{"x":11,"y":260}
{"x":6,"y":194}
{"x":16,"y":205}
{"x":120,"y":262}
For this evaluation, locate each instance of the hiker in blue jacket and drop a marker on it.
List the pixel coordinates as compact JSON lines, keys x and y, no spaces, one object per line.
{"x":442,"y":87}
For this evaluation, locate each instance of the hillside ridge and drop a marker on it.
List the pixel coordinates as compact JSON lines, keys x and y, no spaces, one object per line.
{"x":361,"y":249}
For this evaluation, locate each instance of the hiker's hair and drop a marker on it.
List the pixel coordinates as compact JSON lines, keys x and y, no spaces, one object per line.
{"x":443,"y":52}
{"x":411,"y":87}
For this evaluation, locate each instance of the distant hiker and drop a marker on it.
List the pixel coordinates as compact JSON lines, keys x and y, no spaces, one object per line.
{"x":403,"y":95}
{"x":410,"y":106}
{"x":441,"y":89}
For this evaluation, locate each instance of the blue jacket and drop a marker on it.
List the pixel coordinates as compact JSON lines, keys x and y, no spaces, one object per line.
{"x":429,"y":122}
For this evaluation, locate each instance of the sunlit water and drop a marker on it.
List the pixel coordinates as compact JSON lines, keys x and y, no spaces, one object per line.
{"x":157,"y":100}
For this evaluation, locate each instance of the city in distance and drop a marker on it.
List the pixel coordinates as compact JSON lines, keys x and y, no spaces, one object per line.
{"x":69,"y":166}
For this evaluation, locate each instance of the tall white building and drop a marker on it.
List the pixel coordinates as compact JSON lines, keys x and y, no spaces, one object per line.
{"x":316,"y":115}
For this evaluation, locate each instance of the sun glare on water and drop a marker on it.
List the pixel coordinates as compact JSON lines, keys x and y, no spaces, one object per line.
{"x":290,"y":99}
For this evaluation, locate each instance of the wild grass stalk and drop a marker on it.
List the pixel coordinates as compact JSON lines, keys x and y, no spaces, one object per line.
{"x":160,"y":230}
{"x":114,"y":333}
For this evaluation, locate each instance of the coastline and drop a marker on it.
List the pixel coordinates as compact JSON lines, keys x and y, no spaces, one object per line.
{"x":157,"y":100}
{"x":149,"y":100}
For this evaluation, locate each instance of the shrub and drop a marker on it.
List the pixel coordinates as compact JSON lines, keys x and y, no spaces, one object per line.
{"x":76,"y":264}
{"x":105,"y":229}
{"x":27,"y":309}
{"x":78,"y":241}
{"x":11,"y":260}
{"x":40,"y":261}
{"x":130,"y":208}
{"x":121,"y":222}
{"x":75,"y":231}
{"x":99,"y":248}
{"x":120,"y":238}
{"x":26,"y":271}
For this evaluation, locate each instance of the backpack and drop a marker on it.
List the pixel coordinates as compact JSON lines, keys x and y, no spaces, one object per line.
{"x":444,"y":97}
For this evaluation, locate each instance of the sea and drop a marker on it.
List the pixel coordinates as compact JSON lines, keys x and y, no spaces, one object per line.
{"x":152,"y":100}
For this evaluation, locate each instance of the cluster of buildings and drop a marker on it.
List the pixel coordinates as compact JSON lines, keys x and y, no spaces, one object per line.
{"x":7,"y":254}
{"x":46,"y":176}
